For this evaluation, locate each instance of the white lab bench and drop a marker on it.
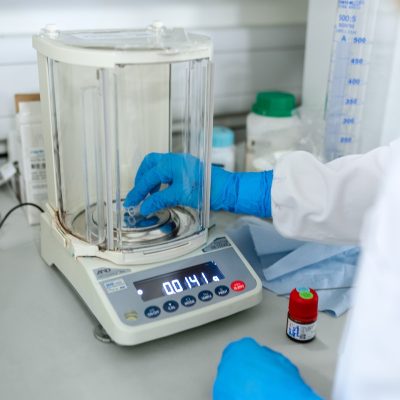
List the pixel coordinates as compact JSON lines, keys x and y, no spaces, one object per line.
{"x":48,"y":351}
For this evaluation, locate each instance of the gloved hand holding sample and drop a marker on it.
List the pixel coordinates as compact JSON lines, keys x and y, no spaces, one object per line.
{"x":242,"y":192}
{"x":250,"y":371}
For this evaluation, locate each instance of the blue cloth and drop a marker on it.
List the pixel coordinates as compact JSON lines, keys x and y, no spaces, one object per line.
{"x":248,"y":371}
{"x":242,"y":192}
{"x":284,"y":264}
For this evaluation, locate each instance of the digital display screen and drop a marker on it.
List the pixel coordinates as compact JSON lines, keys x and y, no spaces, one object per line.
{"x":178,"y":281}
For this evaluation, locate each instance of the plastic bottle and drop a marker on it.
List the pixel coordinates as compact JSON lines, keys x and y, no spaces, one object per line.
{"x":223,"y":148}
{"x":272,"y":129}
{"x":302,"y":315}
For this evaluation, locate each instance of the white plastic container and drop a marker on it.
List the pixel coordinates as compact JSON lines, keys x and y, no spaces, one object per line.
{"x":27,"y":148}
{"x":272,"y":130}
{"x":223,"y":148}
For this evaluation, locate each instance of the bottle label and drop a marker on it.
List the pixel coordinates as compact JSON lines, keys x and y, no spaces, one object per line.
{"x":301,"y":332}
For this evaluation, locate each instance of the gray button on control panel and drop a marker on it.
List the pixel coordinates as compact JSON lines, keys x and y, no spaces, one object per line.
{"x":188,"y":301}
{"x":152,"y":312}
{"x":221,"y":290}
{"x":170,"y":306}
{"x":205,"y":295}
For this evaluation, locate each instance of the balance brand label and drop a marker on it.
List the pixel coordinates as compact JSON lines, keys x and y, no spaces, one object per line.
{"x":302,"y":332}
{"x":216,"y":244}
{"x":107,"y":272}
{"x":115,"y":286}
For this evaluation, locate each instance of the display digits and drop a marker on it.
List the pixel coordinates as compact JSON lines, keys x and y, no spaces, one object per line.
{"x":178,"y":281}
{"x":189,"y":282}
{"x":172,"y":287}
{"x":193,"y":279}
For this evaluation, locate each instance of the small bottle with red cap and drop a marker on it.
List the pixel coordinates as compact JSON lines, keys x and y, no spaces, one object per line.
{"x":302,"y":315}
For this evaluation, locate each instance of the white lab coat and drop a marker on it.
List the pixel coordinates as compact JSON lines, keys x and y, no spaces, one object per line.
{"x":328,"y":203}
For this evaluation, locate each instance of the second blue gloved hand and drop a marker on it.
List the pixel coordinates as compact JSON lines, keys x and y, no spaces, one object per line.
{"x":248,"y":371}
{"x":243,"y":192}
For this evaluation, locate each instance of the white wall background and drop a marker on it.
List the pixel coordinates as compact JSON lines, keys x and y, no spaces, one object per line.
{"x":259,"y":44}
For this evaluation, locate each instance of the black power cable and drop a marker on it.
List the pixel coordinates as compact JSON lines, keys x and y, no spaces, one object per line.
{"x":16,"y":207}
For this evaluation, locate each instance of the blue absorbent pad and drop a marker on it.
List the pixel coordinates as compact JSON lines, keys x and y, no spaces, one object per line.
{"x":283,"y":264}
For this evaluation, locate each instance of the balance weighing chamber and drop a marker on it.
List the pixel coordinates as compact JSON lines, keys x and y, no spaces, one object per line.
{"x":108,"y":99}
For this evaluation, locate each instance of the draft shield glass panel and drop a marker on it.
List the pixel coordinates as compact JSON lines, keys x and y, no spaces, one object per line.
{"x":106,"y":121}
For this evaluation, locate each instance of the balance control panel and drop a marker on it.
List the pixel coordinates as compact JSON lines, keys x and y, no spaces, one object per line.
{"x":178,"y":288}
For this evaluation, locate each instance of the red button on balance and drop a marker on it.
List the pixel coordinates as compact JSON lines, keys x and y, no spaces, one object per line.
{"x":238,"y":286}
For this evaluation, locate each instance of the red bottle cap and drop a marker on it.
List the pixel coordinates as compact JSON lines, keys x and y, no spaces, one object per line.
{"x":303,"y":305}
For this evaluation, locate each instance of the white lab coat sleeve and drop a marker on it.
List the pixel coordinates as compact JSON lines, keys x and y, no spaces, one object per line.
{"x":369,"y":366}
{"x":325,"y":202}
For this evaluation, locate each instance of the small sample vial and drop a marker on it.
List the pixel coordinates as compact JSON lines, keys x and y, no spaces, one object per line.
{"x":132,"y":211}
{"x":130,"y":216}
{"x":302,"y":315}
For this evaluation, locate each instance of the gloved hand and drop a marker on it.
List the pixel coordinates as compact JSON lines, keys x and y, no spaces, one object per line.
{"x":243,"y":192}
{"x":248,"y":371}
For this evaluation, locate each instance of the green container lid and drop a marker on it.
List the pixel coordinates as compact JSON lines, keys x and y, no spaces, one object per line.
{"x":274,"y":104}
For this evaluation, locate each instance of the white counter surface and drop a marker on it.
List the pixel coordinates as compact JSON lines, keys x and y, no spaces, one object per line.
{"x":48,"y":351}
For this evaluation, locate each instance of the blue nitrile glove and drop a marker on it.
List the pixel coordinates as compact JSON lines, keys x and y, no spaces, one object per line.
{"x":242,"y":192}
{"x":248,"y":371}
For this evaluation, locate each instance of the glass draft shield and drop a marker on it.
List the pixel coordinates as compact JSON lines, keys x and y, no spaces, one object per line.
{"x":147,"y":91}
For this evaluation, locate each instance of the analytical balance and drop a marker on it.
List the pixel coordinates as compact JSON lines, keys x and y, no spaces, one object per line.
{"x":108,"y":99}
